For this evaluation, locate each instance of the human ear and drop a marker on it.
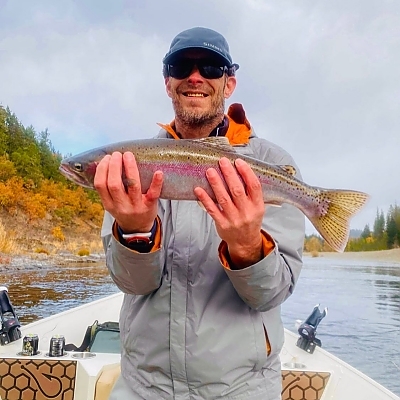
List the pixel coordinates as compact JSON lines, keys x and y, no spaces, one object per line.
{"x":168,"y":86}
{"x":230,"y":86}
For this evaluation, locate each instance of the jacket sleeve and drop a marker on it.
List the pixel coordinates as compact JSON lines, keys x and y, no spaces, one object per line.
{"x":271,"y":281}
{"x":133,"y":272}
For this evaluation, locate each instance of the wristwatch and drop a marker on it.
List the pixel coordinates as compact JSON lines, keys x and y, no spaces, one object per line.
{"x":142,"y":241}
{"x":137,"y":238}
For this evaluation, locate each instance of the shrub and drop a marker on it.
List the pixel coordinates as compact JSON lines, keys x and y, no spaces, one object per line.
{"x":83,"y":252}
{"x":35,"y":206}
{"x":65,"y":213}
{"x":41,"y":250}
{"x":58,"y":233}
{"x":7,"y":169}
{"x":12,"y":193}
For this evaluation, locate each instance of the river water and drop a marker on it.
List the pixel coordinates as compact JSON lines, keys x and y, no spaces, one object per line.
{"x":363,"y":300}
{"x":362,"y":326}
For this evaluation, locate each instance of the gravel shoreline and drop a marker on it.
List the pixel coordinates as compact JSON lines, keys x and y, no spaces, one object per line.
{"x":44,"y":261}
{"x":392,"y":256}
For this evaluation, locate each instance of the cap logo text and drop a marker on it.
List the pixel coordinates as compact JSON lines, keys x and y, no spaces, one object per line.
{"x":212,"y":46}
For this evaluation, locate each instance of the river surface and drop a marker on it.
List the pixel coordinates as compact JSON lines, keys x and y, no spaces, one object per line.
{"x":362,"y":326}
{"x":363,"y":300}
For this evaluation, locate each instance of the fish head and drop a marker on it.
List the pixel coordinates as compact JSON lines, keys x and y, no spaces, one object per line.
{"x":79,"y":171}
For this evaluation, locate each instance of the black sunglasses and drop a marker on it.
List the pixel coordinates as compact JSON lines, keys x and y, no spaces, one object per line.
{"x":181,"y":69}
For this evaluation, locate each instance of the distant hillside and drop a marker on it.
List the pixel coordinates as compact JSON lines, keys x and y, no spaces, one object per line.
{"x":40,"y":210}
{"x":355,"y":233}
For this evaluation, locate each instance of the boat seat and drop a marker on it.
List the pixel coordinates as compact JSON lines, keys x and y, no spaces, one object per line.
{"x":106,"y":381}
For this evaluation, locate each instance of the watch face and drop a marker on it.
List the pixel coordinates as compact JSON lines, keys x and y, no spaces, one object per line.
{"x":143,"y":245}
{"x":138,"y":240}
{"x":142,"y":242}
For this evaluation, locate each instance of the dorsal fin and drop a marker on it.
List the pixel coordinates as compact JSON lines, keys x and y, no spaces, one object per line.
{"x":289,"y":169}
{"x":220,"y":142}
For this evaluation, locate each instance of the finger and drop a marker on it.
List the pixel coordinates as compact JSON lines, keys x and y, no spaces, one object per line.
{"x":100,"y":181}
{"x":154,"y":191}
{"x":219,"y":188}
{"x":251,"y":181}
{"x":114,"y":179}
{"x":233,"y":180}
{"x":132,"y":176}
{"x":208,"y":203}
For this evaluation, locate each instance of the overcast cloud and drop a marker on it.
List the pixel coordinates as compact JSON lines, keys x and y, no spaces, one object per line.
{"x":320,"y":78}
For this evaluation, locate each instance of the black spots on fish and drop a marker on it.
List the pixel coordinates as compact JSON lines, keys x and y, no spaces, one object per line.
{"x":289,"y":169}
{"x":323,"y":201}
{"x":333,"y":224}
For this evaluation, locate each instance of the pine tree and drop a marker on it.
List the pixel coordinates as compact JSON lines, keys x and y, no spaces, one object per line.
{"x":394,"y":214}
{"x":379,"y":225}
{"x":391,"y":232}
{"x":49,"y":158}
{"x":366,"y":233}
{"x":3,"y":132}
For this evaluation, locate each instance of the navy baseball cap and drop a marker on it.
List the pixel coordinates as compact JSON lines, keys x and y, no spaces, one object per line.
{"x":200,"y":38}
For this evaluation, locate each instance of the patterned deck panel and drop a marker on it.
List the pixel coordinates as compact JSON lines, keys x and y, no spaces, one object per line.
{"x":41,"y":379}
{"x":303,"y":385}
{"x":37,"y":379}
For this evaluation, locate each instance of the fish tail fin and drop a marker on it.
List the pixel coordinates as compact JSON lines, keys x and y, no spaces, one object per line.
{"x":334,"y":225}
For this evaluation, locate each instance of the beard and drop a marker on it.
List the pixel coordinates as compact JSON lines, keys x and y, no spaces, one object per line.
{"x":194,"y":117}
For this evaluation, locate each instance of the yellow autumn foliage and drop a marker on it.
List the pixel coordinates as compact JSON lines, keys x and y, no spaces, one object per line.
{"x":50,"y":198}
{"x":83,"y":252}
{"x":57,"y":233}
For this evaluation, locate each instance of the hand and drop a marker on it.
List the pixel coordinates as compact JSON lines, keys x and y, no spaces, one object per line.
{"x":133,"y":211}
{"x":239,"y":213}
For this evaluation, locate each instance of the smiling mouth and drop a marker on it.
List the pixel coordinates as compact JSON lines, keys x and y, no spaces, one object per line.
{"x":195,"y":94}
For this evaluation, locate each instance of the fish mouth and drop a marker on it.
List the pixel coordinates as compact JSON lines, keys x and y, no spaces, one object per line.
{"x":73,"y":176}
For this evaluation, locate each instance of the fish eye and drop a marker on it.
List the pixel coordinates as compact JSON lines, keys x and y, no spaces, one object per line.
{"x":78,"y":166}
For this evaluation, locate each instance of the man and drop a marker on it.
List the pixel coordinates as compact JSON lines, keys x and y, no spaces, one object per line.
{"x":201,"y":313}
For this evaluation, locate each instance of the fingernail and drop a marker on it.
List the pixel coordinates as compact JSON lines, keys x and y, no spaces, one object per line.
{"x":128,"y":155}
{"x":210,"y":172}
{"x":224,"y":161}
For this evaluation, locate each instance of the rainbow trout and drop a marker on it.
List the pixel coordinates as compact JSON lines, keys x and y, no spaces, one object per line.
{"x":184,"y":163}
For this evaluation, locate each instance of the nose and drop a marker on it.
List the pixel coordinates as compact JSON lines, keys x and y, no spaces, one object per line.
{"x":195,"y":75}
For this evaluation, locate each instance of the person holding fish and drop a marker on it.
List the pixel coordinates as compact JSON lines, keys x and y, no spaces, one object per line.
{"x":203,"y":284}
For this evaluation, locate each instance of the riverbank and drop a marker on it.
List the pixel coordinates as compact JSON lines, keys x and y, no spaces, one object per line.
{"x":47,"y":261}
{"x":386,"y":256}
{"x":46,"y":243}
{"x":64,"y":258}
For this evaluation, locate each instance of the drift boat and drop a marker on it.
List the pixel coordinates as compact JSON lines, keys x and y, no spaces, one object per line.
{"x":89,"y":372}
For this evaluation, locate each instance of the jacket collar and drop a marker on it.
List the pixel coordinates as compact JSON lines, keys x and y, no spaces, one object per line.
{"x":239,"y":128}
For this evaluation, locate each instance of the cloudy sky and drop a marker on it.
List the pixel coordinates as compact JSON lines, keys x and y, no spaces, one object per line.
{"x":319,"y":78}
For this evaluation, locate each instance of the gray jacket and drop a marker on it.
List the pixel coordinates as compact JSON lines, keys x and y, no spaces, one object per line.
{"x":191,"y":329}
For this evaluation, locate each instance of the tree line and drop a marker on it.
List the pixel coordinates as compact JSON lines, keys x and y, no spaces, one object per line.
{"x":384,"y":235}
{"x":25,"y":153}
{"x":31,"y":182}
